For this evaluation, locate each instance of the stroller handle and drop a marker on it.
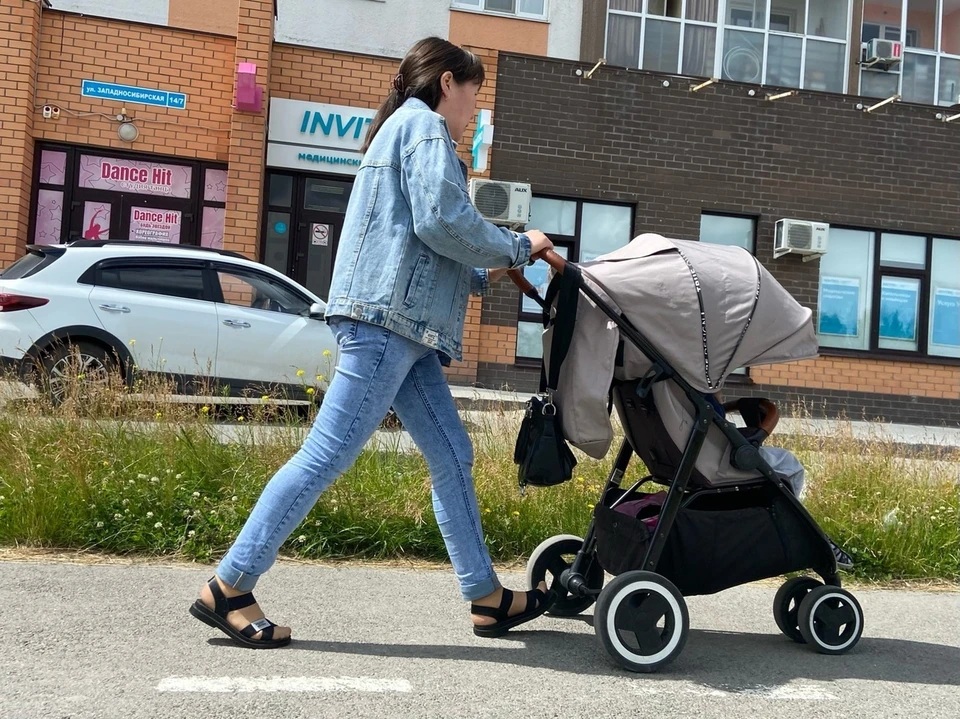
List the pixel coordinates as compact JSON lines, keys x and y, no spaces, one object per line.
{"x":548,"y":256}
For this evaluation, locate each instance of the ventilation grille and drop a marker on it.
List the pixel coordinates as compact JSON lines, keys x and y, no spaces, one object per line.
{"x":800,"y":237}
{"x":492,"y":200}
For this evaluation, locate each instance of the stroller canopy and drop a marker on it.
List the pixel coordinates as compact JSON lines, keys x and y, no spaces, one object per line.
{"x":709,"y":309}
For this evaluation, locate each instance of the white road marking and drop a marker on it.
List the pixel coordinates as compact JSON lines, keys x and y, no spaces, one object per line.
{"x":801,"y":692}
{"x":282,"y":684}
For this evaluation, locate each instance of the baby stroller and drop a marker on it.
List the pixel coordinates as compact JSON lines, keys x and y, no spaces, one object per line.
{"x":726,"y":518}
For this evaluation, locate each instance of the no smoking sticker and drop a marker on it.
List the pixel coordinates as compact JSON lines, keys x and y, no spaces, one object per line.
{"x":320,"y":234}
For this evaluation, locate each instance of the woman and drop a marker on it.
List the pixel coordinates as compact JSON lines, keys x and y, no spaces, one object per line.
{"x":405,"y":267}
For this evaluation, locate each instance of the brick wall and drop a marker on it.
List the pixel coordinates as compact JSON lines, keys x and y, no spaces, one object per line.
{"x":76,"y":47}
{"x":300,"y":73}
{"x":621,"y":136}
{"x":865,"y":375}
{"x":19,"y":38}
{"x":248,"y":132}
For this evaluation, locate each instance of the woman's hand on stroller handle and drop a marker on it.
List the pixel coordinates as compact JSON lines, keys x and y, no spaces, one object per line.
{"x":548,"y":256}
{"x":539,"y":242}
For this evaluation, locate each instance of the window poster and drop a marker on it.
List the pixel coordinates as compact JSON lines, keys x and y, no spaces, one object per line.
{"x":840,"y":306}
{"x":899,"y":307}
{"x":946,"y":317}
{"x":150,"y":225}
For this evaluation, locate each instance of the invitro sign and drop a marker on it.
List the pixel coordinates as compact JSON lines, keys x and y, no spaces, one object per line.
{"x":316,"y":137}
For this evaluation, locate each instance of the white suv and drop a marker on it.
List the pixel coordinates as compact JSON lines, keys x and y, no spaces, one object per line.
{"x":189,"y":313}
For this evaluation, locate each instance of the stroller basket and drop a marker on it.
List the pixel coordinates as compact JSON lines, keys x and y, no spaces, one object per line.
{"x":719,"y":539}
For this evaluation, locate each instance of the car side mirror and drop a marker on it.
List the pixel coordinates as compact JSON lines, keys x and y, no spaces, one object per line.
{"x":317,"y":311}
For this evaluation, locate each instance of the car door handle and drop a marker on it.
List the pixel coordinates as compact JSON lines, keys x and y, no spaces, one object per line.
{"x":236,"y":323}
{"x":115,"y":308}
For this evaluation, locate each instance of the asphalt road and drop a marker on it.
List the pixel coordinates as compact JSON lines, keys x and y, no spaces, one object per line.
{"x":116,"y":641}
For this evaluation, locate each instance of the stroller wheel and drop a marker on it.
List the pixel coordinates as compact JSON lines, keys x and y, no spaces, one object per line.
{"x":642,"y":621}
{"x":786,"y":605}
{"x":831,"y":620}
{"x":551,"y":559}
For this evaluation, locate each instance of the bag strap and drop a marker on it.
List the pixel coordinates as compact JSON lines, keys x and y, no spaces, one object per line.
{"x":566,"y":289}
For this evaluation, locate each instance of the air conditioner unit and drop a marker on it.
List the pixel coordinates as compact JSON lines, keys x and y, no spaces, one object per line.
{"x":881,"y":53}
{"x":801,"y":238}
{"x":503,"y":203}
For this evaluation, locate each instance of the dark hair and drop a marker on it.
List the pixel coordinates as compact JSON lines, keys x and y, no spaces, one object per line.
{"x":419,"y":76}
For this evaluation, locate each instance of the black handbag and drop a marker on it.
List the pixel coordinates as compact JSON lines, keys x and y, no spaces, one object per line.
{"x":541,"y":452}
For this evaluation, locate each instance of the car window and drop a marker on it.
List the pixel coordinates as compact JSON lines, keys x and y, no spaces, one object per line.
{"x":28,"y":265}
{"x":175,"y":281}
{"x":250,"y":289}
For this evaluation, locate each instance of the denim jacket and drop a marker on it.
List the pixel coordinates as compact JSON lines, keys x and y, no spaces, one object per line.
{"x":413,"y":247}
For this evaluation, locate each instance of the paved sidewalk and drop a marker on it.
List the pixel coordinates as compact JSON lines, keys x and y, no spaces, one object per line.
{"x":115,"y":641}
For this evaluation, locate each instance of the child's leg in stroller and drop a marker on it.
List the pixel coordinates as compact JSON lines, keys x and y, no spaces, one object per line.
{"x":425,"y":406}
{"x":787,"y":466}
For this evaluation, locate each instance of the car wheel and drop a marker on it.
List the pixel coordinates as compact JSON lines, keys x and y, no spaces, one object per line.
{"x":77,"y":369}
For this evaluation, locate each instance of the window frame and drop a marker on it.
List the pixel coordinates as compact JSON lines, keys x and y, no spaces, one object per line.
{"x":754,"y":219}
{"x":936,"y":52}
{"x":481,"y":7}
{"x":94,"y":274}
{"x":722,"y":25}
{"x":239,"y":271}
{"x":878,"y":272}
{"x":572,"y":244}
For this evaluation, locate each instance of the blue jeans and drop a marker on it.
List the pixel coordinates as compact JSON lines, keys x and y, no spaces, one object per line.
{"x":378,"y":369}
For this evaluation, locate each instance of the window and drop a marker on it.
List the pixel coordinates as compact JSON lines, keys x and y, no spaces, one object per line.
{"x":788,"y":43}
{"x":184,"y":281}
{"x":241,"y":288}
{"x":48,"y":221}
{"x":670,"y":36}
{"x":326,"y":195}
{"x":930,"y":33}
{"x":28,"y":265}
{"x":535,"y":9}
{"x":276,"y":246}
{"x":729,"y":230}
{"x":890,"y":292}
{"x":581,"y":232}
{"x":214,"y":208}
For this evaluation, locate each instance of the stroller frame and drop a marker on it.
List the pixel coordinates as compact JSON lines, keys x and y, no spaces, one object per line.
{"x":800,"y":597}
{"x":576,"y":582}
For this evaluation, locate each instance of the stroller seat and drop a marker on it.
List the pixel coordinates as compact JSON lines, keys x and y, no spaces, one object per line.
{"x":646,"y":431}
{"x":733,"y":526}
